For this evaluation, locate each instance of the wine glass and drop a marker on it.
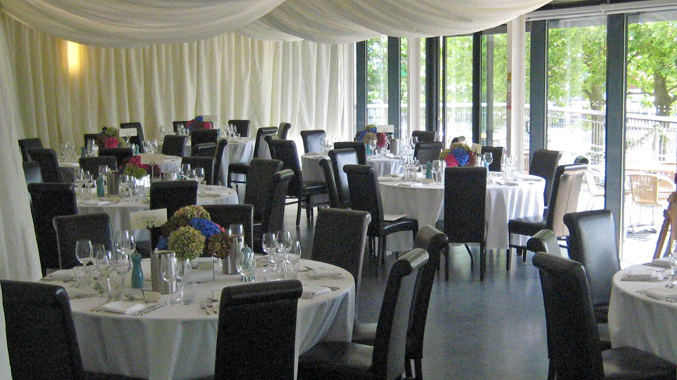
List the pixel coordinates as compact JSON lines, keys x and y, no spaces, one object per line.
{"x":83,"y":252}
{"x":284,"y":245}
{"x":124,"y":185}
{"x":78,"y":179}
{"x":269,"y":244}
{"x":293,"y":259}
{"x":200,"y":175}
{"x":438,"y":169}
{"x":169,"y":271}
{"x":103,"y":261}
{"x":122,"y":266}
{"x":185,"y":171}
{"x":124,"y":242}
{"x":488,"y":159}
{"x":153,"y":146}
{"x":89,"y":183}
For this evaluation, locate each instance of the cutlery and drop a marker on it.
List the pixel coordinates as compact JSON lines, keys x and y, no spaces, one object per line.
{"x":210,"y":306}
{"x":203,"y":306}
{"x":333,"y":288}
{"x":151,"y":309}
{"x":147,"y":308}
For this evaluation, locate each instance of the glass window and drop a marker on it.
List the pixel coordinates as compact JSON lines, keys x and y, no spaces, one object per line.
{"x":494,"y":81}
{"x":457,"y":87}
{"x":377,"y":80}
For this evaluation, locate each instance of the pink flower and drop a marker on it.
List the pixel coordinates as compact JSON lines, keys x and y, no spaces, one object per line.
{"x":381,"y":140}
{"x":111,"y":142}
{"x":451,"y":160}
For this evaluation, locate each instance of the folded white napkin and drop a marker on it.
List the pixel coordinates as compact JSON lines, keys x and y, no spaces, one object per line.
{"x":76,"y":294}
{"x":310,"y":290}
{"x":410,"y":184}
{"x":663,"y":263}
{"x":662,"y":293}
{"x":210,"y":195}
{"x":642,"y":277}
{"x":95,"y":202}
{"x":63,"y":277}
{"x":426,"y":180}
{"x":389,"y":179}
{"x":123,"y":307}
{"x":318,"y":273}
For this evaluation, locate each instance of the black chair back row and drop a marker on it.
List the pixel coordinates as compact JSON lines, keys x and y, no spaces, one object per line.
{"x":207,"y":163}
{"x":71,"y":228}
{"x":49,"y":164}
{"x":359,"y":147}
{"x":428,"y":151}
{"x":544,"y":164}
{"x":225,"y":215}
{"x":497,"y":155}
{"x":312,"y":140}
{"x":139,"y":138}
{"x":339,"y":159}
{"x":32,"y":172}
{"x":283,"y":130}
{"x":203,"y":136}
{"x":261,"y":150}
{"x":91,"y":164}
{"x":27,"y":145}
{"x":173,"y":145}
{"x":260,"y":177}
{"x":242,"y":127}
{"x":331,"y":183}
{"x":423,"y":136}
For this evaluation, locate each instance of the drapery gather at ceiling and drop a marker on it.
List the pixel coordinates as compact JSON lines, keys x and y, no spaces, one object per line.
{"x":126,"y":23}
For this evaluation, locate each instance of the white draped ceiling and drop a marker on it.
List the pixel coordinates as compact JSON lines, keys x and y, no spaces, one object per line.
{"x":125,"y":23}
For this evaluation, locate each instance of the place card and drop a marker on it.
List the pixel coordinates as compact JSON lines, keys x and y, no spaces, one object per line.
{"x":127,"y":132}
{"x":148,"y":219}
{"x":152,"y":158}
{"x":476,"y":148}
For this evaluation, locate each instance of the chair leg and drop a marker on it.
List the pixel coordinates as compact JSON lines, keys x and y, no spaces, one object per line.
{"x":418,"y":368}
{"x":524,"y":255}
{"x":483,"y":261}
{"x":446,"y":261}
{"x":229,"y":183}
{"x":407,"y":368}
{"x":309,"y":209}
{"x":551,"y":370}
{"x":508,"y":260}
{"x":298,"y":212}
{"x":382,"y":249}
{"x":470,"y":254}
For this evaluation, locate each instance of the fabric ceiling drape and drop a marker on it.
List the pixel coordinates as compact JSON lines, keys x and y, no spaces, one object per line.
{"x":130,"y":22}
{"x":231,"y":76}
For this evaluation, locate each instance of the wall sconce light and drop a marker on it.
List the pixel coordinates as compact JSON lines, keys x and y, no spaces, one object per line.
{"x":73,"y":58}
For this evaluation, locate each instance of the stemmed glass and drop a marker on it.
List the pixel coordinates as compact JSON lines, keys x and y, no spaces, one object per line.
{"x":103,"y":261}
{"x":125,"y":182}
{"x":169,"y":268}
{"x":122,"y":266}
{"x":284,"y":245}
{"x":269,"y":244}
{"x":185,"y":171}
{"x":90,"y":182}
{"x":438,"y":169}
{"x":124,"y":241}
{"x":246,"y":264}
{"x":200,"y":175}
{"x":293,"y":259}
{"x":83,"y":252}
{"x":488,"y":159}
{"x":78,"y":178}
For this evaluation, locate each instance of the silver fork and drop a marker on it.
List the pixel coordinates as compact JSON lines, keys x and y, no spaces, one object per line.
{"x":333,"y":288}
{"x":203,"y":306}
{"x":210,"y":306}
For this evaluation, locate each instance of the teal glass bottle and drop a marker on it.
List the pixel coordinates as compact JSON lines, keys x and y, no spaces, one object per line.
{"x":137,"y":272}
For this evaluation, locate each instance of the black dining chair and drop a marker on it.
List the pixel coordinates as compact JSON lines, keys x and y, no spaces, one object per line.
{"x":497,"y":155}
{"x":122,"y":155}
{"x":434,"y":242}
{"x":221,"y":171}
{"x":365,"y":196}
{"x":339,"y":159}
{"x":465,"y":191}
{"x":339,"y":239}
{"x":71,"y":228}
{"x":359,"y":147}
{"x":207,"y":163}
{"x":173,"y":145}
{"x":179,"y":123}
{"x":312,"y":140}
{"x":424,"y":135}
{"x":285,"y":150}
{"x":385,"y":359}
{"x":41,"y":338}
{"x":139,"y":138}
{"x":91,"y":137}
{"x":49,"y":164}
{"x":241,"y":126}
{"x":273,"y":211}
{"x":29,"y":144}
{"x":49,"y":200}
{"x":32,"y":172}
{"x":592,"y":242}
{"x":203,"y":136}
{"x":575,"y":351}
{"x":544,"y":164}
{"x":172,"y":195}
{"x":428,"y":151}
{"x":260,"y":184}
{"x":328,"y":173}
{"x":261,"y":150}
{"x":225,"y":215}
{"x":283,"y":130}
{"x":544,"y":241}
{"x":91,"y":164}
{"x":248,"y":345}
{"x":567,"y":186}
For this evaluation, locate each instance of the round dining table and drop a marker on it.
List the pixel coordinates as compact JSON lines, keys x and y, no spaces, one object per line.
{"x":424,"y":201}
{"x":643,"y":311}
{"x":178,"y":341}
{"x":312,"y":171}
{"x":166,"y":163}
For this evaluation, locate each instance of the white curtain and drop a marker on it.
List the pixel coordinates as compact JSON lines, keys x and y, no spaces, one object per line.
{"x":18,"y":248}
{"x":231,"y":76}
{"x":133,"y":22}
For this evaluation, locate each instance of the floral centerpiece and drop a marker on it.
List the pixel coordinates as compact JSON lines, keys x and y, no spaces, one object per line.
{"x":136,"y":169}
{"x":110,"y":138}
{"x":361,"y":135}
{"x":199,"y":123}
{"x":189,"y":230}
{"x":381,"y":140}
{"x":459,"y":154}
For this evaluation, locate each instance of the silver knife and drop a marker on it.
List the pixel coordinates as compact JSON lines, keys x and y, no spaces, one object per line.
{"x":152,"y":309}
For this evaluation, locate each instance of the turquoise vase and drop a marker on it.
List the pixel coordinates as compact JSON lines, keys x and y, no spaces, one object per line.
{"x":368,"y":150}
{"x":137,"y":272}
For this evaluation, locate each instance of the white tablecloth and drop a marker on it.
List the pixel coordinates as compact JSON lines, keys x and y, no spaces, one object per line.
{"x":310,"y":164}
{"x":385,"y":165}
{"x":425,"y":202}
{"x":237,"y":150}
{"x":167,"y":164}
{"x":119,"y":210}
{"x":638,"y":321}
{"x":179,"y":341}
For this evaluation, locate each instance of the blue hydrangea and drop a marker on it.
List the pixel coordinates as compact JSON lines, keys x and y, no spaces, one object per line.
{"x":360,"y":134}
{"x":162,"y":243}
{"x":206,"y":227}
{"x":462,"y":156}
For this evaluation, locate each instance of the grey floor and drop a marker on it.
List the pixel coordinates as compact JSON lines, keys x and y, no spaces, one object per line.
{"x":475,"y":330}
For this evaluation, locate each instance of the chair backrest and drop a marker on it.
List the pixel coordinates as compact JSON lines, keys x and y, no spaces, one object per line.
{"x":393,"y":321}
{"x":202,"y":136}
{"x":41,"y":338}
{"x":207,"y":163}
{"x":221,"y":169}
{"x":339,"y":159}
{"x":49,"y":200}
{"x":261,"y":149}
{"x":248,"y":345}
{"x":71,"y":228}
{"x":365,"y":194}
{"x":458,"y":139}
{"x":203,"y":150}
{"x":644,"y":188}
{"x":29,"y":144}
{"x":434,"y":242}
{"x":544,"y":164}
{"x":32,"y":172}
{"x":339,"y":239}
{"x":284,"y":130}
{"x":428,"y":151}
{"x":139,"y":138}
{"x":465,"y":191}
{"x":242,"y":127}
{"x":497,"y":154}
{"x":285,"y":151}
{"x":260,"y":184}
{"x":173,"y":145}
{"x":225,"y":215}
{"x":172,"y":195}
{"x":575,"y":351}
{"x":592,"y":242}
{"x":122,"y":155}
{"x":424,"y":135}
{"x":359,"y":147}
{"x":179,"y":123}
{"x":312,"y":140}
{"x":566,"y":190}
{"x":49,"y":164}
{"x":273,"y":213}
{"x":91,"y":164}
{"x":331,"y":183}
{"x":544,"y":241}
{"x":581,"y":160}
{"x":91,"y":136}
